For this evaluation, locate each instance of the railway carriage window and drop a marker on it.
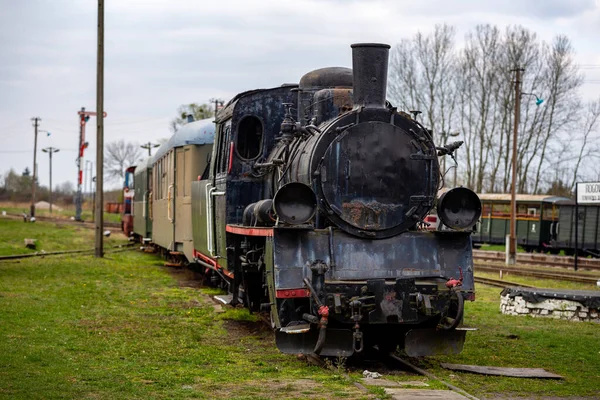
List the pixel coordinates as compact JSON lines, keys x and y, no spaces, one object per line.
{"x":550,"y":212}
{"x":501,"y":209}
{"x":163,"y":178}
{"x":223,"y":152}
{"x":249,"y":138}
{"x":532,"y":211}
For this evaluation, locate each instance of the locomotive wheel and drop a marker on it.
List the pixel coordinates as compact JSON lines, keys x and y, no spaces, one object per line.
{"x":452,"y":315}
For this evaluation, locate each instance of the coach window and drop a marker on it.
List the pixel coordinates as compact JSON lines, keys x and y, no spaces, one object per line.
{"x":223,"y":151}
{"x":249,"y":137}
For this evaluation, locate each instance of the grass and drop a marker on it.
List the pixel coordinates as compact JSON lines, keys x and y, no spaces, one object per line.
{"x":124,"y":327}
{"x":571,"y":349}
{"x":540,"y":283}
{"x":49,"y":236}
{"x":67,"y":211}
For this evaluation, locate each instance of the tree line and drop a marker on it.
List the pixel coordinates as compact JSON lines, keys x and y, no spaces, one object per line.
{"x":17,"y":188}
{"x":118,"y":156}
{"x":470,"y":92}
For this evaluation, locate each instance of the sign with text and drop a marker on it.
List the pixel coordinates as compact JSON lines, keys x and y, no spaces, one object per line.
{"x":588,"y":193}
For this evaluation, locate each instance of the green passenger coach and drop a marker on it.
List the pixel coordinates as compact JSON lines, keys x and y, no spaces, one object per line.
{"x":537,"y":220}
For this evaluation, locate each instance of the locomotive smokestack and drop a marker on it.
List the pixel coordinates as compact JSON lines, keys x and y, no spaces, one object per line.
{"x":369,"y":66}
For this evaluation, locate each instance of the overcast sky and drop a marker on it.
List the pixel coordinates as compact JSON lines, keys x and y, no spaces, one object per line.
{"x":161,"y":54}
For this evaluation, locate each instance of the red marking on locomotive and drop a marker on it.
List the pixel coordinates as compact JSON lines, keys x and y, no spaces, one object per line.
{"x":230,"y":157}
{"x":292,"y":293}
{"x":254,"y":231}
{"x":212,"y":262}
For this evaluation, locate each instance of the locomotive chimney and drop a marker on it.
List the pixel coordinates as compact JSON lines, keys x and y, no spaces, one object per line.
{"x":369,"y":66}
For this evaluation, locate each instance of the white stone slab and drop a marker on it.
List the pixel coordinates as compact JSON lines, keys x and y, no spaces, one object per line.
{"x":388,"y":383}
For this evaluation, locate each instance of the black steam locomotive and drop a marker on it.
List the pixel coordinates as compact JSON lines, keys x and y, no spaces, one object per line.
{"x":312,"y":207}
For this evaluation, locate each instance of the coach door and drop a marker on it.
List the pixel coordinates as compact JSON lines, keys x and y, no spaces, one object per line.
{"x":182,"y":203}
{"x":216,"y":195}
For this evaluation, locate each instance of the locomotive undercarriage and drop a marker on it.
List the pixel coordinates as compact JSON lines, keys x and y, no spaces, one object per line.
{"x":419,"y":316}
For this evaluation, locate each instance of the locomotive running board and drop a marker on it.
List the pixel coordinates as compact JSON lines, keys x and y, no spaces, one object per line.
{"x":433,"y":342}
{"x":337,"y":343}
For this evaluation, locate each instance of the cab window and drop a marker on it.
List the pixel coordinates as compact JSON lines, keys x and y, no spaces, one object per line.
{"x":249,"y":137}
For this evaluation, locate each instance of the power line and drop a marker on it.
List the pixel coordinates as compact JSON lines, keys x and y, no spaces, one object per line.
{"x":26,"y":151}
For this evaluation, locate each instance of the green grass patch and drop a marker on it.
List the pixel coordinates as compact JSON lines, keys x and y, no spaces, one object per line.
{"x":571,"y":349}
{"x":66,"y":212}
{"x":49,"y":236}
{"x":122,"y":328}
{"x":540,"y":283}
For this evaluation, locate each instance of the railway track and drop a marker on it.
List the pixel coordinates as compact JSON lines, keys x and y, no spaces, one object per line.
{"x":87,"y":224}
{"x":499,"y":283}
{"x":537,"y":273}
{"x":592,"y":264}
{"x":112,"y":249}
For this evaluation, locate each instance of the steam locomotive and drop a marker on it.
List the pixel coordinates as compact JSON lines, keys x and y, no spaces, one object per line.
{"x":309,"y":204}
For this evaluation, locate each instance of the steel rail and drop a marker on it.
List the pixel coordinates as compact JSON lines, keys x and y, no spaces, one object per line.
{"x":499,"y":283}
{"x":58,"y":253}
{"x":46,"y":218}
{"x":539,"y":259}
{"x":538,"y":274}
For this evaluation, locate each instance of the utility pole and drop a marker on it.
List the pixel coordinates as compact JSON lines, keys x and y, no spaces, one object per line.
{"x":218,"y":102}
{"x":149,"y":146}
{"x":512,"y":245}
{"x":100,"y":133}
{"x":50,"y":150}
{"x":36,"y":121}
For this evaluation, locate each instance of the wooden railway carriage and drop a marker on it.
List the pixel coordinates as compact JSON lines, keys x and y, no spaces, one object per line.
{"x":178,"y":162}
{"x":537,"y":219}
{"x":142,"y":201}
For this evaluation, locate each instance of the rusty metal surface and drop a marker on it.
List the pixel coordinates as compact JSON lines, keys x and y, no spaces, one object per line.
{"x":370,"y":65}
{"x":328,"y":77}
{"x":410,"y":255}
{"x":367,"y":182}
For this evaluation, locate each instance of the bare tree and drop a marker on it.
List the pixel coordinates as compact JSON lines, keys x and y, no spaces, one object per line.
{"x":589,"y":125}
{"x":197,"y":111}
{"x":480,"y":87}
{"x":472,"y":90}
{"x":120,"y":155}
{"x":563,"y":81}
{"x":422,"y":78}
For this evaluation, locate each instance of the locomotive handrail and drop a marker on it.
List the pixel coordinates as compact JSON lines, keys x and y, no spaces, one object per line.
{"x":169,"y":198}
{"x":144,"y":201}
{"x":209,"y":190}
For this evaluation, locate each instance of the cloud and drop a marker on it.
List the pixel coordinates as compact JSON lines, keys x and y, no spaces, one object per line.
{"x":161,"y":54}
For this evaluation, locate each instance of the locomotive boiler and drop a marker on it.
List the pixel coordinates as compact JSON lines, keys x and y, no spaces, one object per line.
{"x":312,"y":206}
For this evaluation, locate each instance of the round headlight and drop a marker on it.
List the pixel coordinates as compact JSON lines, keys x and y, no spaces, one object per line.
{"x":295,"y":203}
{"x":459,"y":208}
